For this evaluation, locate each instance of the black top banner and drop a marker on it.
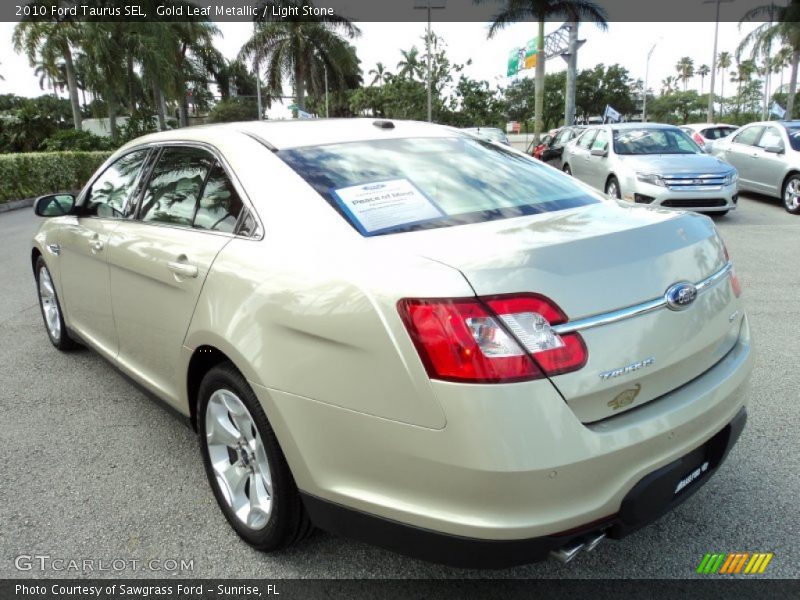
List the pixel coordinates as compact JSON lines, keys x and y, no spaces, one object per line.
{"x":383,"y":10}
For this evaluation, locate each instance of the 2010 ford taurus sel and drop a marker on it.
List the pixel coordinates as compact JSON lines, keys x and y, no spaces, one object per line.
{"x":402,"y":333}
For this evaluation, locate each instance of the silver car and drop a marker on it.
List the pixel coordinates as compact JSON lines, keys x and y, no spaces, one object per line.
{"x":652,"y":164}
{"x":767,"y":156}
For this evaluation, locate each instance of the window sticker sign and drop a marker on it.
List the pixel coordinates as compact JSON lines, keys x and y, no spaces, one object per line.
{"x":383,"y":205}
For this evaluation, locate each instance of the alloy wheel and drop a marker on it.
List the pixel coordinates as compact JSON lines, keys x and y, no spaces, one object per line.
{"x":47,"y":298}
{"x":238,"y":459}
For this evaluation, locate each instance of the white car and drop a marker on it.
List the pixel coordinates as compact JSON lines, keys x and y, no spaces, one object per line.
{"x":395,"y":331}
{"x":705,"y":134}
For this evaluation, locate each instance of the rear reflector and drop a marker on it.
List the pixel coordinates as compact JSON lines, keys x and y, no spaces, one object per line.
{"x":491,"y":340}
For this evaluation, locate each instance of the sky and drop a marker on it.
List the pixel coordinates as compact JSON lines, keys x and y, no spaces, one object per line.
{"x":623,"y":43}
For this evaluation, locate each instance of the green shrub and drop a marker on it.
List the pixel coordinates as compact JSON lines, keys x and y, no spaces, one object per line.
{"x":71,"y":139}
{"x":31,"y":174}
{"x":233,"y":109}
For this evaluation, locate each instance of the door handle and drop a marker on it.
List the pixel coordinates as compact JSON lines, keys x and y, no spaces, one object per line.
{"x":182,"y":269}
{"x":95,"y":246}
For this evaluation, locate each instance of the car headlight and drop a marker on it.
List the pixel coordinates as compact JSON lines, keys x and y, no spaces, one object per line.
{"x":651,"y":178}
{"x":731,"y":177}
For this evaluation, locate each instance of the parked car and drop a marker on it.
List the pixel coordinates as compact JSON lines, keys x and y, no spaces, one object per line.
{"x":767,"y":156}
{"x":652,"y":164}
{"x":552,"y":152}
{"x":396,"y":332}
{"x":535,"y":150}
{"x":490,"y":134}
{"x":705,"y":134}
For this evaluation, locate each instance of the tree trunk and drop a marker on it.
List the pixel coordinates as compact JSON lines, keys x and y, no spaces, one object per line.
{"x":792,"y":84}
{"x":299,"y":83}
{"x":111,"y":101}
{"x":538,"y":94}
{"x":158,"y":100}
{"x":131,"y":79}
{"x":722,"y":94}
{"x":72,"y":84}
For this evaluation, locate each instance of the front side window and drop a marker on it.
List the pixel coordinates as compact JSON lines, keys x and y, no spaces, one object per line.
{"x":748,"y":136}
{"x":770,"y":138}
{"x":397,"y":185}
{"x":111,"y":194}
{"x":174,"y":188}
{"x":585,"y":141}
{"x":601,"y":141}
{"x":640,"y":141}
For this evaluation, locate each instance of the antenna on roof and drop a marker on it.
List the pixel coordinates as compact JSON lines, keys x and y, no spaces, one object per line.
{"x":383,"y":124}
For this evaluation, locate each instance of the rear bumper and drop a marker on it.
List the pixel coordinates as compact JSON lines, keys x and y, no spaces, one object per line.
{"x":512,"y":466}
{"x":650,"y":498}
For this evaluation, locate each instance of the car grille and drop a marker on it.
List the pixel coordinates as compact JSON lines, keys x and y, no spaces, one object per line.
{"x":688,"y":181}
{"x":694,"y":202}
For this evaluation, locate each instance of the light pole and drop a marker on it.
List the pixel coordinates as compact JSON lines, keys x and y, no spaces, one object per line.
{"x":710,"y":112}
{"x":429,"y":5}
{"x":646,"y":73}
{"x":325,"y":69}
{"x":571,"y":56}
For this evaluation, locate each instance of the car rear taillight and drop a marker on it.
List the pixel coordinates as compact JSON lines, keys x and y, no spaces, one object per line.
{"x":699,"y":139}
{"x":736,"y":285}
{"x":491,"y":340}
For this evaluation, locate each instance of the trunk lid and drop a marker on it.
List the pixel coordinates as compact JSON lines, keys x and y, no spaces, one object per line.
{"x":595,"y":260}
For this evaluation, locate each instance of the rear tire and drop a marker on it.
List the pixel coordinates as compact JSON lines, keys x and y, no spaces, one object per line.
{"x":245,"y":466}
{"x":612,"y":188}
{"x":52,"y":314}
{"x":791,"y":194}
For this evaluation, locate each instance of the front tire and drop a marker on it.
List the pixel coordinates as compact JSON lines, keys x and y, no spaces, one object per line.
{"x":791,"y":195}
{"x":244,"y":464}
{"x":567,"y":170}
{"x":612,"y":188}
{"x":51,"y":309}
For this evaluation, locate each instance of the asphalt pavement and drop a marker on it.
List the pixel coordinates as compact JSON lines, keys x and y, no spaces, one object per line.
{"x":94,"y":469}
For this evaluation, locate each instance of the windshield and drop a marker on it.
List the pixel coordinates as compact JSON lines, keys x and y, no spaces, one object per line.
{"x":653,"y":141}
{"x":793,"y":131}
{"x":391,"y":186}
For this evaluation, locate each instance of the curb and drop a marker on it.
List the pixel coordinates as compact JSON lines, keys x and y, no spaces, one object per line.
{"x":15,"y":204}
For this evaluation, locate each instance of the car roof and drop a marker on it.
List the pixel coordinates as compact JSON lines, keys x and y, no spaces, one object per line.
{"x":295,"y":133}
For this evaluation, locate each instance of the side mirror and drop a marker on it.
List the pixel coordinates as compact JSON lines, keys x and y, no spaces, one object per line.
{"x":599,"y":152}
{"x":774,"y":149}
{"x":54,"y":205}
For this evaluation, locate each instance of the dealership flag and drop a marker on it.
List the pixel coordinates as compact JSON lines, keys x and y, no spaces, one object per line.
{"x":777,"y":110}
{"x":610,"y":115}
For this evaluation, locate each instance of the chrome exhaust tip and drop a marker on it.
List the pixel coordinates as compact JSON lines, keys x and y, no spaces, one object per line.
{"x":566,"y":553}
{"x":594,"y":540}
{"x":588,"y":543}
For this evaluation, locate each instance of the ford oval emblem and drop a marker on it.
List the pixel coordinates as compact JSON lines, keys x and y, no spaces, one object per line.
{"x":681,"y":295}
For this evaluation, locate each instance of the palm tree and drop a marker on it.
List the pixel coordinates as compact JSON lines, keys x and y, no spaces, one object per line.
{"x":724,"y":62}
{"x":379,"y":73}
{"x":410,"y":66}
{"x":668,"y":85}
{"x":703,"y":72}
{"x":782,"y":25}
{"x":49,"y":40}
{"x":685,"y":68}
{"x":779,"y":62}
{"x":542,"y":10}
{"x":301,"y":49}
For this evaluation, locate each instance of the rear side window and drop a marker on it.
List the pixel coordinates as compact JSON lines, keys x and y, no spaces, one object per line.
{"x":112,"y":192}
{"x":395,"y":185}
{"x":770,"y":137}
{"x":220,"y":205}
{"x":174,"y":187}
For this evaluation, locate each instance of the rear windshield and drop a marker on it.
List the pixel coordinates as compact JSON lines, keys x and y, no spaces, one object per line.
{"x":654,"y":141}
{"x":793,"y":131}
{"x":392,"y":186}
